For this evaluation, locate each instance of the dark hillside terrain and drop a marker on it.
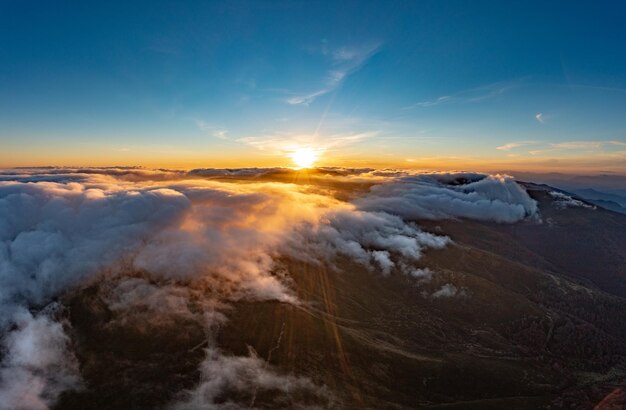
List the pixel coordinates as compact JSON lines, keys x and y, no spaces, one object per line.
{"x":533,"y":316}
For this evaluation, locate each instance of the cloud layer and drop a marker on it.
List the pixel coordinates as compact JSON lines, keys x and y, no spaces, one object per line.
{"x":464,"y":195}
{"x":201,"y":232}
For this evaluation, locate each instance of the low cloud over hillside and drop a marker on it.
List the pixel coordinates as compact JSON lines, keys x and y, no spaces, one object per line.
{"x":172,"y":245}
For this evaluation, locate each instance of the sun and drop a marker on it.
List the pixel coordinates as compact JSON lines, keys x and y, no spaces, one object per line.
{"x":304,"y":157}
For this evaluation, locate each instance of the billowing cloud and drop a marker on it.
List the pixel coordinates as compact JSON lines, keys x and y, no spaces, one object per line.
{"x":160,"y":241}
{"x":37,"y":365}
{"x":376,"y":240}
{"x":438,"y":196}
{"x":249,"y":376}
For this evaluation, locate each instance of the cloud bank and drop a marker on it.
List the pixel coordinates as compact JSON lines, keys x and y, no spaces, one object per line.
{"x":158,"y":239}
{"x":495,"y":198}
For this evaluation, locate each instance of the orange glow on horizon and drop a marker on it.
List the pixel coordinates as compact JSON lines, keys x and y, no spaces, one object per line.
{"x":301,"y":157}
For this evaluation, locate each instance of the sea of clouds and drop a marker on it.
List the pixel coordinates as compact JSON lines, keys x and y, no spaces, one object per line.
{"x":221,"y":232}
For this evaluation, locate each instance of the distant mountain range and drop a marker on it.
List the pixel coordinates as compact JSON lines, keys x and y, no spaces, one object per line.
{"x":609,"y":201}
{"x":606,"y":182}
{"x":605,"y":190}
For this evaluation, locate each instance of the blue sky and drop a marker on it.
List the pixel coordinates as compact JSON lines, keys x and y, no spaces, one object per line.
{"x":450,"y":84}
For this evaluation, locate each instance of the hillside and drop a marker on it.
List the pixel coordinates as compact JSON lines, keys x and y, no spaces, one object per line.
{"x":518,"y":316}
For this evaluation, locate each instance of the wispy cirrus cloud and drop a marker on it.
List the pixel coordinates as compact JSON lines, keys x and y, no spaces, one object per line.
{"x":217,"y":132}
{"x":540,"y":118}
{"x":477,"y":94}
{"x":512,"y":145}
{"x":587,"y":144}
{"x":220,"y":134}
{"x":307,"y":98}
{"x":578,"y":146}
{"x":440,"y":100}
{"x":344,"y":61}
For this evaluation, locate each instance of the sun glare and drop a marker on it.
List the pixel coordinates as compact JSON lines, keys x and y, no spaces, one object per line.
{"x":304,"y":157}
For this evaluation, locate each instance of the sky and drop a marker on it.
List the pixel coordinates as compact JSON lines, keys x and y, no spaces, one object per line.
{"x":534,"y":86}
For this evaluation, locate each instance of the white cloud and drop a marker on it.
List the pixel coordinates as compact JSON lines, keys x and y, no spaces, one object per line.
{"x":512,"y":145}
{"x":447,"y":291}
{"x":37,"y":365}
{"x":424,"y":274}
{"x":248,"y":376}
{"x":539,"y":117}
{"x":437,"y":196}
{"x":562,"y":201}
{"x":186,"y":231}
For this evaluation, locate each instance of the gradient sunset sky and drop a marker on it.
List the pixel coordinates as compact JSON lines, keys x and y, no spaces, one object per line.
{"x":438,"y":84}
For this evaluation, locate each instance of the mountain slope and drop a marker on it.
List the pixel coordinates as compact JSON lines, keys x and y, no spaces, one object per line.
{"x":519,"y":316}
